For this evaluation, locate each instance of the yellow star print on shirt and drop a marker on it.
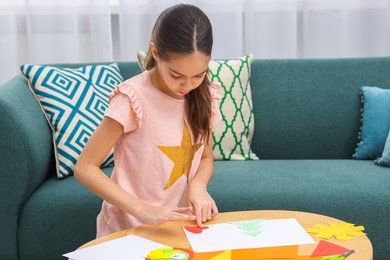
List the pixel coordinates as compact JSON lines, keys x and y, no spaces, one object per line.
{"x":181,"y":155}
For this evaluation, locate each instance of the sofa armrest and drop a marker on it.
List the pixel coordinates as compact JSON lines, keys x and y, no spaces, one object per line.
{"x":26,"y":156}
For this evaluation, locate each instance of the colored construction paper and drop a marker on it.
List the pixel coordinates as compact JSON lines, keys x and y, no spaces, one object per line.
{"x":277,"y":252}
{"x":206,"y":255}
{"x":225,"y":255}
{"x":295,"y":258}
{"x":127,"y":247}
{"x":225,"y":236}
{"x":325,"y":248}
{"x":307,"y":258}
{"x":195,"y":229}
{"x":250,"y":227}
{"x":342,"y":231}
{"x":280,"y":252}
{"x":248,"y":253}
{"x":285,"y":253}
{"x":170,"y":253}
{"x":333,"y":258}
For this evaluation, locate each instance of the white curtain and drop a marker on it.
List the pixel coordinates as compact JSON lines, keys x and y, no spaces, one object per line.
{"x":70,"y":31}
{"x":47,"y":31}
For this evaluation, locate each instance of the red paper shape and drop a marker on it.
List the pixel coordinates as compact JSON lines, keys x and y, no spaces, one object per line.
{"x":195,"y":229}
{"x":325,"y":248}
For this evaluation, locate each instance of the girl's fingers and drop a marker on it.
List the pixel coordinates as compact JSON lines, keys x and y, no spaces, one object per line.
{"x":183,"y":209}
{"x":209,"y":211}
{"x":204,"y":214}
{"x":179,"y":214}
{"x":215,"y":210}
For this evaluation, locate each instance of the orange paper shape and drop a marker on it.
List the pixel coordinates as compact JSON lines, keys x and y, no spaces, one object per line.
{"x":276,"y":252}
{"x":206,"y":255}
{"x":305,"y":257}
{"x":268,"y":253}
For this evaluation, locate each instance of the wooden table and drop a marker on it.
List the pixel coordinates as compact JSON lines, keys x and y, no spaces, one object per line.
{"x":172,"y":234}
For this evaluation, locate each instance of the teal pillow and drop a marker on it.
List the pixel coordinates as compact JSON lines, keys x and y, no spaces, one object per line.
{"x":73,"y":102}
{"x":375,"y":122}
{"x":384,"y":160}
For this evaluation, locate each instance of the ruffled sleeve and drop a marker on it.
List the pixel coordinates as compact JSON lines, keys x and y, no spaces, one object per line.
{"x":125,"y":96}
{"x":216,"y":116}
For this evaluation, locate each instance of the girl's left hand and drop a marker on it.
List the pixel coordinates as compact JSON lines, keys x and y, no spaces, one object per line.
{"x":203,"y":204}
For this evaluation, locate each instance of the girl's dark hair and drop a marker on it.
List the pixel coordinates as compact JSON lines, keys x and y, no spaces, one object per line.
{"x":184,"y":29}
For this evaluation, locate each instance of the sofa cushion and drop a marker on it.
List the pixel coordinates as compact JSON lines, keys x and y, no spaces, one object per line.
{"x":349,"y":190}
{"x":73,"y":101}
{"x":384,"y":160}
{"x":232,"y":137}
{"x":53,"y":218}
{"x":375,"y":122}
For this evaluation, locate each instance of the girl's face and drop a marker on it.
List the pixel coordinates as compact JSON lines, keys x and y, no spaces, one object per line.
{"x":181,"y":73}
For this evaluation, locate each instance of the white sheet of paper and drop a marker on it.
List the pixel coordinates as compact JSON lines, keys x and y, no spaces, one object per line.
{"x":127,"y":247}
{"x":226,"y":236}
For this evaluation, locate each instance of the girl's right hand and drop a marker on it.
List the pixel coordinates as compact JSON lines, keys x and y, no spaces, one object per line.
{"x":157,"y":215}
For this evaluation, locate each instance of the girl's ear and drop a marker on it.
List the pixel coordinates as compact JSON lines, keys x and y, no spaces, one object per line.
{"x":154,"y":52}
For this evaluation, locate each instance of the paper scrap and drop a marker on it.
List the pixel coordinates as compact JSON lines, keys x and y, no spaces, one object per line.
{"x":306,"y":258}
{"x":225,"y":255}
{"x":277,"y":252}
{"x":334,"y":258}
{"x":325,"y":248}
{"x":251,"y":227}
{"x":267,"y":253}
{"x":342,"y":231}
{"x":206,"y":255}
{"x":170,"y":253}
{"x":195,"y":229}
{"x":127,"y":247}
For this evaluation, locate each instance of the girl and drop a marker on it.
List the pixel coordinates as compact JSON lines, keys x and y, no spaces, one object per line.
{"x":160,"y":123}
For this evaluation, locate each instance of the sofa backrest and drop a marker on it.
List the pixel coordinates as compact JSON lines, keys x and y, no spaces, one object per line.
{"x":311,"y":108}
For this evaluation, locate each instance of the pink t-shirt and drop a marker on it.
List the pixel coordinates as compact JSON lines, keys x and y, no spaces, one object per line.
{"x":156,"y":153}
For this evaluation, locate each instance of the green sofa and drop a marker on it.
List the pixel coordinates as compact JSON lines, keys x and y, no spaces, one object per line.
{"x":307,"y":119}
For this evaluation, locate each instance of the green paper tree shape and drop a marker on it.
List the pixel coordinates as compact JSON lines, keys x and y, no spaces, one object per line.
{"x":252,"y":227}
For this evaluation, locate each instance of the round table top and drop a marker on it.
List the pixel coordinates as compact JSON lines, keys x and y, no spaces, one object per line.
{"x":172,"y":234}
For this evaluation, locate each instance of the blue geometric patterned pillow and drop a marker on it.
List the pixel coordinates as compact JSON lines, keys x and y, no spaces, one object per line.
{"x":74,"y":102}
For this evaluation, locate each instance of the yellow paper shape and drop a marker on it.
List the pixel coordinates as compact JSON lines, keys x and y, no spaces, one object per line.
{"x":167,"y":253}
{"x":225,"y":255}
{"x":342,"y":231}
{"x":158,"y":253}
